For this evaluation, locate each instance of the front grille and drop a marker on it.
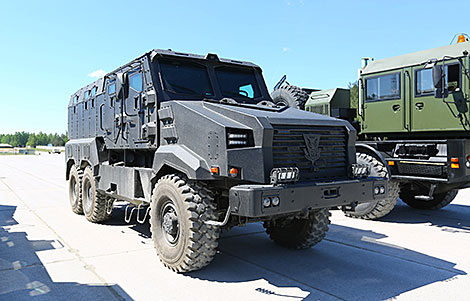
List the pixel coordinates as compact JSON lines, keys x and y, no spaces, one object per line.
{"x":421,"y":169}
{"x":290,"y":150}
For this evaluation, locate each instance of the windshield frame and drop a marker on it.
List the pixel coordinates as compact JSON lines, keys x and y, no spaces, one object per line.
{"x":210,"y":68}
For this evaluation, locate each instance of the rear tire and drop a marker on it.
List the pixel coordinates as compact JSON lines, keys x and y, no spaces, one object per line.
{"x":376,"y":209}
{"x":291,"y":96}
{"x":296,"y":233}
{"x":75,"y":190}
{"x":440,"y":200}
{"x":178,"y":210}
{"x":95,"y":203}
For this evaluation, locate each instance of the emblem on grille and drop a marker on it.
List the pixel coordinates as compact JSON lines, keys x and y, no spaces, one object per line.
{"x":312,"y":151}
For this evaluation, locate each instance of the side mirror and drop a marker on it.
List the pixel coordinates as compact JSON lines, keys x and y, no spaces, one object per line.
{"x":437,"y":73}
{"x":122,"y":85}
{"x":437,"y":78}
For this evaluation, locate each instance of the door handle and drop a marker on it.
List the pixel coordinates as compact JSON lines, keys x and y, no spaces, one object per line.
{"x":395,"y":108}
{"x":419,"y":105}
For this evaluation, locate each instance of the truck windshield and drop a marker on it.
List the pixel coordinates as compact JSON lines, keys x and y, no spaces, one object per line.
{"x":240,"y":84}
{"x":185,"y":78}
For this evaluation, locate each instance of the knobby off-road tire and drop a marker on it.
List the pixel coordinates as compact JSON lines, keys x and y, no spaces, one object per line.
{"x":291,"y":96}
{"x":296,"y":233}
{"x":440,"y":199}
{"x":376,"y":209}
{"x":95,"y":203}
{"x":75,"y":190}
{"x":178,"y":210}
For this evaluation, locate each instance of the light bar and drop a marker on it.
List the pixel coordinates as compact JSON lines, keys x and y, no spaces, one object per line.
{"x":284,"y":175}
{"x":360,"y":170}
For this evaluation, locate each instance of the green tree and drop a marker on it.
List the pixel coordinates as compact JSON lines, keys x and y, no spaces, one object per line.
{"x":32,"y":141}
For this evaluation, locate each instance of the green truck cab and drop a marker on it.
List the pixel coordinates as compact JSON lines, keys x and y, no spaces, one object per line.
{"x":413,"y":120}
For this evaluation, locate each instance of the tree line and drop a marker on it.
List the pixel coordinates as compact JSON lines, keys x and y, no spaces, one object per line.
{"x":22,"y":139}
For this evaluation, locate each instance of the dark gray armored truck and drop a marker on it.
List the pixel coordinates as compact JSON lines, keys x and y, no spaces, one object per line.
{"x":195,"y":143}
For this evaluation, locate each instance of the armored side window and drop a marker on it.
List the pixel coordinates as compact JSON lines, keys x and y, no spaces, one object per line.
{"x":111,"y":87}
{"x":424,"y":83}
{"x":87,"y":95}
{"x":75,"y":99}
{"x":93,"y":92}
{"x":452,"y":77}
{"x":135,"y":81}
{"x":383,"y":87}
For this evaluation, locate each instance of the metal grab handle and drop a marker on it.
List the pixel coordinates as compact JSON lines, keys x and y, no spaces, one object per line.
{"x":101,"y":116}
{"x":396,"y":108}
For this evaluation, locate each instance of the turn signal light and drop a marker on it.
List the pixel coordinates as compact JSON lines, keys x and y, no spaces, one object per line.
{"x":233,"y":172}
{"x":214,"y":170}
{"x":455,"y":160}
{"x":454,"y":165}
{"x":391,"y":163}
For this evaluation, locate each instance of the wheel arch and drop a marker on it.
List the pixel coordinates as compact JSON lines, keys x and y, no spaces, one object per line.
{"x":369,"y":150}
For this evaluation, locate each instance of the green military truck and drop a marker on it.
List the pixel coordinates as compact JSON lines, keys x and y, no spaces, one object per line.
{"x":413,"y":124}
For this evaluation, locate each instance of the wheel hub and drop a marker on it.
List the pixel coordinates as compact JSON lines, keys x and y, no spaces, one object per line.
{"x":170,"y":225}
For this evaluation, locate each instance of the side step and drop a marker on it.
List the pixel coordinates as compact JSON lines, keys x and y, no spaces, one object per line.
{"x":429,"y":197}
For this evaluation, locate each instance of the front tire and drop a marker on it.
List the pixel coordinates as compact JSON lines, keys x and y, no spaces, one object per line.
{"x":75,"y":190}
{"x":178,"y":210}
{"x":95,"y":203}
{"x":299,"y":233}
{"x":376,"y":209}
{"x":439,"y":201}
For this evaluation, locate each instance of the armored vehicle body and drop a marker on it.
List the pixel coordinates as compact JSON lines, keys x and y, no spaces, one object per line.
{"x":413,"y":118}
{"x":195,"y":143}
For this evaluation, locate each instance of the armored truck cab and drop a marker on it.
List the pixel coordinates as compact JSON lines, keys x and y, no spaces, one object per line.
{"x":196,"y":143}
{"x":413,"y":121}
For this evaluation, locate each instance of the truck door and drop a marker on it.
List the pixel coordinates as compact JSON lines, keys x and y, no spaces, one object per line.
{"x":107,"y":112}
{"x":384,"y":109}
{"x":131,"y":108}
{"x":432,"y":114}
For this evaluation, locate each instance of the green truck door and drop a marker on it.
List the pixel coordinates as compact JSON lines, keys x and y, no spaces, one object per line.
{"x":384,"y":109}
{"x":429,"y":113}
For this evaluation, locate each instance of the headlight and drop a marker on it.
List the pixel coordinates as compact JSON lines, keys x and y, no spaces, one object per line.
{"x":239,"y":138}
{"x":267,"y":202}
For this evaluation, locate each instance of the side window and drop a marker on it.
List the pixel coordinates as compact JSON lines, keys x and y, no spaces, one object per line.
{"x":93,"y":92}
{"x":452,"y":77}
{"x":75,"y":100}
{"x":135,"y":81}
{"x":87,"y":95}
{"x":424,"y":83}
{"x":383,"y":87}
{"x":111,"y":87}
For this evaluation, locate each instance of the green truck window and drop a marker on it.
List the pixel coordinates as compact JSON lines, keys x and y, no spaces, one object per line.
{"x":452,"y":77}
{"x":424,"y":84}
{"x":383,"y":87}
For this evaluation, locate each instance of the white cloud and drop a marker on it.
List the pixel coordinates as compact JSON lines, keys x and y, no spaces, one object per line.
{"x":285,"y":49}
{"x":97,"y":73}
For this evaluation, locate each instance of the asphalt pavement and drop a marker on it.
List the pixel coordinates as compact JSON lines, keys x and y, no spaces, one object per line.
{"x":49,"y":253}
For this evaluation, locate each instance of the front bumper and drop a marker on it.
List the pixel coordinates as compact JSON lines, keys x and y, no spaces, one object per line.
{"x":247,"y":200}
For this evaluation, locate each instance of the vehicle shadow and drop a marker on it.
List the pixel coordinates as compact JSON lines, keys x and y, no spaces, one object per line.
{"x":452,"y":218}
{"x":349,"y":264}
{"x":24,"y":276}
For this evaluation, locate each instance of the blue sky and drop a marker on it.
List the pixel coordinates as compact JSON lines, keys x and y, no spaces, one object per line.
{"x":48,"y":49}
